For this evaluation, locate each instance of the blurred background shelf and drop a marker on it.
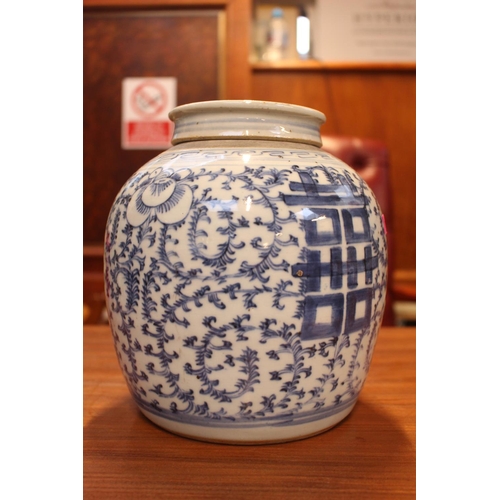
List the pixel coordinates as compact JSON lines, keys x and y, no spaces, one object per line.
{"x":315,"y":65}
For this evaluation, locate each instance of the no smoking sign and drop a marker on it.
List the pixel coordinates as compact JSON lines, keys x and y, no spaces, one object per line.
{"x":146,"y":103}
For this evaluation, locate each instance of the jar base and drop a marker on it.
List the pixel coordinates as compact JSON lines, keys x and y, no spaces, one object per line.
{"x":250,"y":435}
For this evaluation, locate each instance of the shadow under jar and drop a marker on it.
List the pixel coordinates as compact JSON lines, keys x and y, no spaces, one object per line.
{"x":245,"y":275}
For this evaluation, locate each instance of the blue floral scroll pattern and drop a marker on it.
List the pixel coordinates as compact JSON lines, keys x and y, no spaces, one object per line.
{"x":210,"y":314}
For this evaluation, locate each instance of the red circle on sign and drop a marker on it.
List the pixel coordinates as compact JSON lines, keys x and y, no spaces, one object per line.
{"x":149,"y":99}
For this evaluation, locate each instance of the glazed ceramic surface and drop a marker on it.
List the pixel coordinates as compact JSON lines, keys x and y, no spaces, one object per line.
{"x":245,"y":279}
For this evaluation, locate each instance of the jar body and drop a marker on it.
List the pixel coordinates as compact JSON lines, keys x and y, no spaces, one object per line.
{"x":245,"y":284}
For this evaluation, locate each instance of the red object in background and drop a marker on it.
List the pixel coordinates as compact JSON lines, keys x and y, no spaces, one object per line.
{"x":148,"y":133}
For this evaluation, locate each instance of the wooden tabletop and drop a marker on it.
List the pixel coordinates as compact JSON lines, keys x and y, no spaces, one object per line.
{"x":371,"y":454}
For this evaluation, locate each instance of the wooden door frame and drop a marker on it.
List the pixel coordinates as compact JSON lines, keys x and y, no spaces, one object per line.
{"x":236,"y":80}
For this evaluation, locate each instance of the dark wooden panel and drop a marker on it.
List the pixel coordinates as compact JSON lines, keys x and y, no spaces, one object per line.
{"x":117,"y":45}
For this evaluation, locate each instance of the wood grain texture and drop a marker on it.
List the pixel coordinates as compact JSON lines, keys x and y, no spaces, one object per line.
{"x":369,"y":455}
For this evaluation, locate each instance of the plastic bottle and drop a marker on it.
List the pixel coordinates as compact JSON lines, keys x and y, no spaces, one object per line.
{"x":277,"y":37}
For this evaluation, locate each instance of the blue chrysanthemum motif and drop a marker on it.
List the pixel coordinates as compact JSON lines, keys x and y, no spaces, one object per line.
{"x":162,"y":195}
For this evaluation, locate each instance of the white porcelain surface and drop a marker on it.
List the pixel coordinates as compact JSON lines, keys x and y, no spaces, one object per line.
{"x":246,"y":120}
{"x":245,"y":283}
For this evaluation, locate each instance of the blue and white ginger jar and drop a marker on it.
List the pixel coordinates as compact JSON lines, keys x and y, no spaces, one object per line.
{"x":245,"y":275}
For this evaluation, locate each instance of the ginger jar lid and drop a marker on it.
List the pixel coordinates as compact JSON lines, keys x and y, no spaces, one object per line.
{"x":244,"y":119}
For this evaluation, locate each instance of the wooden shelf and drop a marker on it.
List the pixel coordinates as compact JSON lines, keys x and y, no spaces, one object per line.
{"x":315,"y":65}
{"x":405,"y":285}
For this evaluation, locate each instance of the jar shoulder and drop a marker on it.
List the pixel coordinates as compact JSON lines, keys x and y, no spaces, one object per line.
{"x":242,"y":144}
